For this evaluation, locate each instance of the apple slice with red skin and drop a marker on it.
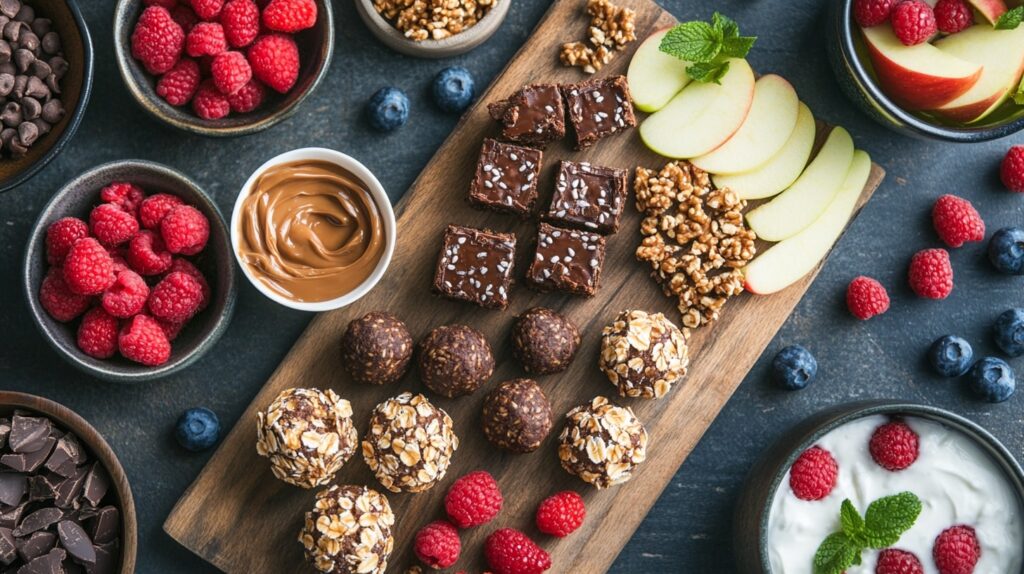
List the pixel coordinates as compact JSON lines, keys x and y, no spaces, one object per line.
{"x":655,"y":77}
{"x":1001,"y":53}
{"x":991,"y":10}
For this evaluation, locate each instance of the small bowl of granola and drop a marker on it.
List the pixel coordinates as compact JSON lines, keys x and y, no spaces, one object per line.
{"x":430,"y":30}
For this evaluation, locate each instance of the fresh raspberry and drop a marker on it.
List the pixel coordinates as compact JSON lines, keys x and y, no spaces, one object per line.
{"x":88,"y":268}
{"x":209,"y":103}
{"x":814,"y":474}
{"x":913,"y":21}
{"x":179,"y":84}
{"x":1012,"y":169}
{"x":275,"y":61}
{"x":952,"y":16}
{"x":118,"y":257}
{"x":176,"y":298}
{"x":866,"y":298}
{"x":956,"y":221}
{"x":142,"y":340}
{"x":231,"y":72}
{"x":155,"y":207}
{"x":473,"y":499}
{"x":111,"y":225}
{"x":59,"y":301}
{"x":561,"y":514}
{"x":127,"y":296}
{"x":185,"y":17}
{"x":171,"y":330}
{"x":894,"y":446}
{"x":931,"y":274}
{"x":169,"y":4}
{"x":127,"y":196}
{"x":185,"y":230}
{"x":248,"y":98}
{"x":956,"y":550}
{"x":437,"y":545}
{"x":157,"y":40}
{"x":894,"y":561}
{"x":241,"y":21}
{"x":97,"y":334}
{"x":61,"y":235}
{"x":147,"y":254}
{"x":205,"y":39}
{"x":207,"y":9}
{"x":870,"y":13}
{"x":290,"y":15}
{"x":509,"y":551}
{"x":185,"y":266}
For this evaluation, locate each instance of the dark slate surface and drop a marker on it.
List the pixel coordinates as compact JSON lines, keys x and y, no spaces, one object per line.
{"x":689,"y":529}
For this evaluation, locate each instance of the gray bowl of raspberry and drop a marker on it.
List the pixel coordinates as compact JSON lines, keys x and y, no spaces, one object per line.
{"x":129,"y":273}
{"x":223,"y":67}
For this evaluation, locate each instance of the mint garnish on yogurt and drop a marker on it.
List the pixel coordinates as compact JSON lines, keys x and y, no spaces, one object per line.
{"x":881,"y":526}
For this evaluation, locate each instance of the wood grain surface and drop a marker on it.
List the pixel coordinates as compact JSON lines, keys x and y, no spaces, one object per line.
{"x":242,"y":519}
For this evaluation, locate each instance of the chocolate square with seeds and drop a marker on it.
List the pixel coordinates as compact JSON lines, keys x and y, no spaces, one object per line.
{"x":599,"y":108}
{"x":506,"y":178}
{"x":535,"y":115}
{"x":567,"y":260}
{"x":588,"y":197}
{"x":475,"y":266}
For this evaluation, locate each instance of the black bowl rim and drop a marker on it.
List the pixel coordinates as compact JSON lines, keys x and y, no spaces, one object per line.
{"x":141,"y":374}
{"x":919,"y":126}
{"x":143,"y":97}
{"x":76,"y":116}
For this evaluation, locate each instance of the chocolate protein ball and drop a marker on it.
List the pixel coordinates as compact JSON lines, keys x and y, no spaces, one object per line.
{"x":517,"y":415}
{"x":644,"y":354}
{"x":307,"y":434}
{"x":376,"y":349}
{"x":409,"y":444}
{"x":349,"y":531}
{"x":455,"y":360}
{"x":602,"y":443}
{"x":544,"y":341}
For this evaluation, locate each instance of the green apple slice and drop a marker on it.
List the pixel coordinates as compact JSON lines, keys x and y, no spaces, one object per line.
{"x":655,"y":77}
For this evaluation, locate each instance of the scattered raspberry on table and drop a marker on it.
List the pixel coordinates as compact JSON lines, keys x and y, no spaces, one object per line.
{"x":473,"y":499}
{"x":866,"y":298}
{"x":1012,"y":169}
{"x":931,"y":274}
{"x":956,"y":221}
{"x":561,"y":514}
{"x":509,"y":551}
{"x":437,"y":545}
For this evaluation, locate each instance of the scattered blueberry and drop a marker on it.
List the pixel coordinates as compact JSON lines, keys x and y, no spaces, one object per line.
{"x":1006,"y":250}
{"x":794,"y":368}
{"x":951,"y":356}
{"x":198,"y":429}
{"x":992,"y":379}
{"x":453,"y":89}
{"x":388,"y":109}
{"x":1009,"y":332}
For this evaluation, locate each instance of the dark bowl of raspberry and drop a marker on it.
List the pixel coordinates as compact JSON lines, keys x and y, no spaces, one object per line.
{"x":259,"y":60}
{"x":174,"y":287}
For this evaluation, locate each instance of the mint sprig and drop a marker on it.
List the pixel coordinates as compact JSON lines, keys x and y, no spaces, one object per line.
{"x":1018,"y":96}
{"x":1011,"y":19}
{"x":707,"y":46}
{"x":881,"y":526}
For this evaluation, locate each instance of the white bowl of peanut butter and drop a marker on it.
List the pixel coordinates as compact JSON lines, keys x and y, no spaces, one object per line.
{"x":313,"y":229}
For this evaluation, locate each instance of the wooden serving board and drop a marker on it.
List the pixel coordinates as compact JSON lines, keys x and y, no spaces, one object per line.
{"x":240,"y":518}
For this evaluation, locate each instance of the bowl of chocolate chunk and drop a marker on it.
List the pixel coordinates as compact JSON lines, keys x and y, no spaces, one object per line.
{"x":313,"y":229}
{"x":65,"y":503}
{"x":433,"y":28}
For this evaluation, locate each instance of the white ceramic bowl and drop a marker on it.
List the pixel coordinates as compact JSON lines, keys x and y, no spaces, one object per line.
{"x":380,"y":197}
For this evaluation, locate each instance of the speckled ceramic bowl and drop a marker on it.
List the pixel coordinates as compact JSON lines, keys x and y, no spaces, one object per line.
{"x":77,"y":198}
{"x":754,"y":505}
{"x":444,"y":48}
{"x":316,"y":46}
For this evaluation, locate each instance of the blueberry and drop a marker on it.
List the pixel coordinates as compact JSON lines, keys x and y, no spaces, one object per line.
{"x":1006,"y":250}
{"x":453,"y":89}
{"x":1009,"y":332}
{"x":992,"y":379}
{"x":950,"y":356}
{"x":388,"y":109}
{"x":197,"y":429}
{"x":794,"y":368}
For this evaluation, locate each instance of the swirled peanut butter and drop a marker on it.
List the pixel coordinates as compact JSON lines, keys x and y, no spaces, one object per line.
{"x":310,"y":231}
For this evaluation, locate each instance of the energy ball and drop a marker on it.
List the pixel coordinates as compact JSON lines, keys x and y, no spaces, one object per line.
{"x":602,"y":443}
{"x":517,"y":416}
{"x":376,"y":349}
{"x":544,"y":341}
{"x":307,"y":434}
{"x":409,"y":444}
{"x":644,"y":354}
{"x":349,"y":531}
{"x":455,"y":360}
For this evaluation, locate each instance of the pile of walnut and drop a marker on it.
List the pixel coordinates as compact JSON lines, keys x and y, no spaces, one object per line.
{"x":421,"y":20}
{"x":611,"y":28}
{"x":694,"y":238}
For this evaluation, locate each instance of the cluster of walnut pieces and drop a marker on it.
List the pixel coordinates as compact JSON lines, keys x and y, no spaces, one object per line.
{"x":694,"y":238}
{"x":432,"y":19}
{"x":611,"y":28}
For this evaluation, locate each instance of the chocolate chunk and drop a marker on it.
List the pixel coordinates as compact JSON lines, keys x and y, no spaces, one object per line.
{"x":11,"y":518}
{"x":43,"y":127}
{"x":39,"y":520}
{"x":23,"y":58}
{"x":30,"y":461}
{"x":43,"y":486}
{"x":59,"y":66}
{"x":105,"y":524}
{"x":567,"y":260}
{"x":588,"y":197}
{"x":18,"y":91}
{"x":5,"y":431}
{"x":30,"y":109}
{"x":97,"y":483}
{"x":50,"y":563}
{"x":12,"y":30}
{"x":11,"y":114}
{"x":68,"y":491}
{"x":66,"y":455}
{"x":36,"y":88}
{"x":8,"y":549}
{"x":36,"y":545}
{"x":599,"y":108}
{"x":12,"y":488}
{"x":28,"y":40}
{"x":475,"y":265}
{"x":106,"y":559}
{"x":5,"y":51}
{"x":27,"y":133}
{"x":40,"y":69}
{"x":74,"y":539}
{"x":506,"y":178}
{"x":28,"y":433}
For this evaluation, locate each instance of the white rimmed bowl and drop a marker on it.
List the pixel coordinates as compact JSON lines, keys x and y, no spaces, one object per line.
{"x":379,"y":196}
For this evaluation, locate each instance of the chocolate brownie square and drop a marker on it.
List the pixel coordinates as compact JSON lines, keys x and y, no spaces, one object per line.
{"x":506,"y":178}
{"x":566,"y":260}
{"x":535,"y":115}
{"x":588,"y":197}
{"x":475,"y":266}
{"x":599,"y":108}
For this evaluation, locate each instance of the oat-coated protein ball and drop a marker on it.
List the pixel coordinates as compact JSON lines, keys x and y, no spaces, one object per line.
{"x":517,"y":416}
{"x":544,"y":341}
{"x":602,"y":443}
{"x":455,"y":360}
{"x":349,"y":531}
{"x":376,"y":349}
{"x":644,"y":354}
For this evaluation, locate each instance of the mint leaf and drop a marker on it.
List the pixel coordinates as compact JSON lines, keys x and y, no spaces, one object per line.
{"x":738,"y":47}
{"x":888,"y":518}
{"x":1018,"y":96}
{"x":708,"y":72}
{"x":850,"y":519}
{"x":692,"y":41}
{"x":728,"y":26}
{"x":1011,"y":19}
{"x":836,"y":554}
